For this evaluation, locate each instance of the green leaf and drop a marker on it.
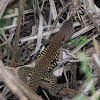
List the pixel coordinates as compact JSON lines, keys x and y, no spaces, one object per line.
{"x":2,"y":22}
{"x":84,"y":62}
{"x":82,"y":42}
{"x":74,"y":40}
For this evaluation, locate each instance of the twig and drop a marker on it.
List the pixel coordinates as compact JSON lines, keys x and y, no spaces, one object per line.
{"x":53,"y":9}
{"x":16,"y":14}
{"x":14,"y":53}
{"x":82,"y":31}
{"x":71,"y":93}
{"x":5,"y":37}
{"x":39,"y":36}
{"x":97,"y":61}
{"x":2,"y":98}
{"x":90,"y":15}
{"x":29,"y":38}
{"x":3,"y":5}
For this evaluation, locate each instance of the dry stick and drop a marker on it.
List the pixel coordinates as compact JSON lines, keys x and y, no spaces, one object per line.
{"x":14,"y":53}
{"x":91,"y":15}
{"x":97,"y":61}
{"x":2,"y":98}
{"x":35,"y":7}
{"x":10,"y":1}
{"x":62,"y":2}
{"x":3,"y":5}
{"x":5,"y":37}
{"x":39,"y":36}
{"x":64,"y":92}
{"x":93,"y":20}
{"x":53,"y":9}
{"x":16,"y":86}
{"x":67,"y":82}
{"x":16,"y":14}
{"x":3,"y":44}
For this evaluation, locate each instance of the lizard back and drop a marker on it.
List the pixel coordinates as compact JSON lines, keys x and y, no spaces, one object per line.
{"x":32,"y":76}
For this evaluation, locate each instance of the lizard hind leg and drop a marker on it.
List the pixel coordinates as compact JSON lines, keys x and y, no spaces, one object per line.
{"x":26,"y":75}
{"x":54,"y":87}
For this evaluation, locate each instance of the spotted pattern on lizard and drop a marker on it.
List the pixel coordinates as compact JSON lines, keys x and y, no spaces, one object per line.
{"x":47,"y":61}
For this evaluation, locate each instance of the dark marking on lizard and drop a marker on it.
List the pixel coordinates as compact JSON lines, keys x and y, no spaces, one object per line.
{"x":47,"y":61}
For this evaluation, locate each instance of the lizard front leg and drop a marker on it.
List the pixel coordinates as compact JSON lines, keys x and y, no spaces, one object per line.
{"x":54,"y":87}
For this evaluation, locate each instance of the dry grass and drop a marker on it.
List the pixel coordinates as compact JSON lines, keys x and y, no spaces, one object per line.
{"x":24,"y":30}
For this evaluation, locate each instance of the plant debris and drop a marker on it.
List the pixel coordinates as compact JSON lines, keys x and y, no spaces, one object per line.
{"x":26,"y":28}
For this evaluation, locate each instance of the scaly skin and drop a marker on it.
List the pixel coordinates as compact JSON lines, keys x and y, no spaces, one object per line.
{"x":47,"y":60}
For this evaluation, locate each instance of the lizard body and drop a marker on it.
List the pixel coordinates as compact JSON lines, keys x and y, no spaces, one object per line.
{"x":46,"y":61}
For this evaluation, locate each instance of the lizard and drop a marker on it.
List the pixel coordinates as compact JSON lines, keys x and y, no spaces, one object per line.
{"x":47,"y":61}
